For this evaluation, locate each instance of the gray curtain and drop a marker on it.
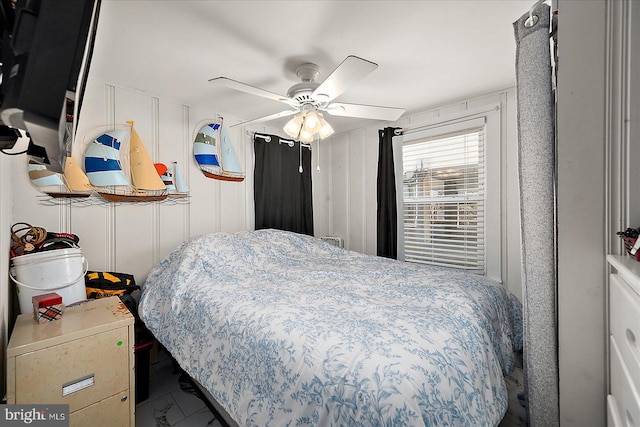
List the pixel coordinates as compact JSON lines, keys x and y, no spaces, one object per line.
{"x":536,"y":147}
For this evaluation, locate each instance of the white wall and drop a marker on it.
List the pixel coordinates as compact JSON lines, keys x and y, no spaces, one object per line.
{"x":581,"y":207}
{"x":352,"y":196}
{"x":598,"y":153}
{"x":130,"y":237}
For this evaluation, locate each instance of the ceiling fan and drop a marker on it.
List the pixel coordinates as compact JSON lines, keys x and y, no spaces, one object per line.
{"x":309,"y":99}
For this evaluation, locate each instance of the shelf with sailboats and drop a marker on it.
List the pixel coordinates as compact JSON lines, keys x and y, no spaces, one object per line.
{"x":117,"y":168}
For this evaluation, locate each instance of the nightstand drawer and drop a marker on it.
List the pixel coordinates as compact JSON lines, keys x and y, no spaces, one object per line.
{"x":77,"y":373}
{"x":613,"y":413}
{"x":625,"y":325}
{"x":110,"y":412}
{"x":626,"y":397}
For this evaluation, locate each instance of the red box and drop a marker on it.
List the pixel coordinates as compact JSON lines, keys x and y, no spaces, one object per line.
{"x":628,"y":245}
{"x":47,"y":307}
{"x":46,"y":299}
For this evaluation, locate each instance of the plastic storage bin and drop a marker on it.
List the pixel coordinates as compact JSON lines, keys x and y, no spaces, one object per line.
{"x":59,"y":270}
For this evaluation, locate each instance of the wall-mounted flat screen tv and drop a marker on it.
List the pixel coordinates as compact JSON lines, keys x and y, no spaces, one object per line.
{"x":46,"y":53}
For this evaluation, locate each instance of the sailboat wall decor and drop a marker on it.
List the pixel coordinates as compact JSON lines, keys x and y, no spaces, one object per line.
{"x":73,"y":183}
{"x":75,"y":178}
{"x":173,"y":180}
{"x":214,"y":153}
{"x":119,"y":181}
{"x":44,"y":179}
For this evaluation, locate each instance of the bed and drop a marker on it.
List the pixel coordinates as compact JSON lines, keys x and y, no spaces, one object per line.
{"x":283,"y":329}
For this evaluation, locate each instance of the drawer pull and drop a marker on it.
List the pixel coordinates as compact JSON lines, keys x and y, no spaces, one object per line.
{"x":633,"y":344}
{"x":77,"y":385}
{"x":123,"y":399}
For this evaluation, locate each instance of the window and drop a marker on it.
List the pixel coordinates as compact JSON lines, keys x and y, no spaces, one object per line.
{"x":449,"y":193}
{"x":443,"y":194}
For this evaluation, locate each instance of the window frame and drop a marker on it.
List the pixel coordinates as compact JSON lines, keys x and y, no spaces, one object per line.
{"x":489,"y":117}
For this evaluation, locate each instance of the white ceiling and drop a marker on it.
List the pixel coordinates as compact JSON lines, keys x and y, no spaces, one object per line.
{"x":429,"y":52}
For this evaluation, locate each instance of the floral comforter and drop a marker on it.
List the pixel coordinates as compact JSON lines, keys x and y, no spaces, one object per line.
{"x":287,"y":330}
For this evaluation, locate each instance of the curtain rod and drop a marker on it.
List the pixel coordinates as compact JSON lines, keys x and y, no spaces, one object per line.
{"x":406,"y":131}
{"x":289,"y":142}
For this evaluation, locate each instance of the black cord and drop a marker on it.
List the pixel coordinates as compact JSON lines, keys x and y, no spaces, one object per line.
{"x":12,"y":154}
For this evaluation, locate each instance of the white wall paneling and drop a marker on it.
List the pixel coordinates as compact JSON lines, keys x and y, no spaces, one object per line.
{"x":134,"y":240}
{"x":340,"y":188}
{"x":357,"y":191}
{"x":632,"y":106}
{"x":581,"y":210}
{"x":95,"y":223}
{"x":370,"y":157}
{"x":622,"y":153}
{"x":132,"y":237}
{"x":174,"y":146}
{"x":321,"y":180}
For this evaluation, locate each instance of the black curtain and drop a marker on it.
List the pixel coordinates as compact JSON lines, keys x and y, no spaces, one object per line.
{"x":282,"y":194}
{"x":387,"y":218}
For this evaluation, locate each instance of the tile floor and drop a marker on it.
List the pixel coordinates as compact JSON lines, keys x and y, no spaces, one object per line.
{"x":168,"y":405}
{"x":516,"y":415}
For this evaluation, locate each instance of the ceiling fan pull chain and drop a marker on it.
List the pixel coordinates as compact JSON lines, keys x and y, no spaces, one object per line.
{"x":300,"y":169}
{"x":318,"y":166}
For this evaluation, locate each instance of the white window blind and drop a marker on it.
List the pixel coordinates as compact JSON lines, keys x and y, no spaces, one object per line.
{"x":444,"y":200}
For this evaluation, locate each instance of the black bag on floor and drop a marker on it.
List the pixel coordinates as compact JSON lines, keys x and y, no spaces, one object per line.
{"x":102,"y":284}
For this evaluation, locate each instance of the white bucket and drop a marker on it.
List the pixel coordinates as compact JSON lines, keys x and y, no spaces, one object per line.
{"x":59,"y":270}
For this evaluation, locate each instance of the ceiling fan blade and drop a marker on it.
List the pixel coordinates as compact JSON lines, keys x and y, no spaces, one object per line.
{"x":234,"y":84}
{"x":267,"y":118}
{"x":390,"y":114}
{"x":348,"y":72}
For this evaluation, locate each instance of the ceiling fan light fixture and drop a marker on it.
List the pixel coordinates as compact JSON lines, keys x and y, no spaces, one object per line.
{"x":299,"y":126}
{"x":310,"y":97}
{"x":325,"y":128}
{"x":305,"y":135}
{"x":292,"y":128}
{"x":312,"y":122}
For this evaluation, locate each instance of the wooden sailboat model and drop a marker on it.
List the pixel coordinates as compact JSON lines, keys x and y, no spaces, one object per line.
{"x":119,"y":181}
{"x":215,"y":155}
{"x":73,"y":183}
{"x":173,"y":180}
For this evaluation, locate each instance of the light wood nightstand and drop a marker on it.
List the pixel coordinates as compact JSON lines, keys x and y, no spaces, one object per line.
{"x":85,"y":360}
